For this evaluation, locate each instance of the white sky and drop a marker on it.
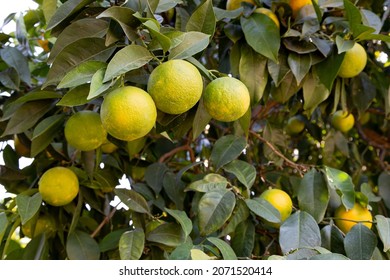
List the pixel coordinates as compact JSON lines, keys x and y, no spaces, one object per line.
{"x":14,"y":6}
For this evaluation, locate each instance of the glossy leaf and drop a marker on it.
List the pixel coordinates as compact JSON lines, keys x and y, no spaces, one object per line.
{"x":203,"y":19}
{"x":183,"y":251}
{"x":197,"y":254}
{"x":201,"y":119}
{"x":154,"y":29}
{"x":240,"y":214}
{"x":190,"y":43}
{"x":384,"y":190}
{"x":76,"y":96}
{"x":243,"y":240}
{"x":313,"y":195}
{"x":131,"y":245}
{"x":226,"y":251}
{"x":83,"y":28}
{"x":154,"y":176}
{"x":299,"y":65}
{"x":169,"y":234}
{"x":300,"y":230}
{"x":215,"y":208}
{"x":360,"y":243}
{"x":82,"y":74}
{"x":133,"y":200}
{"x":329,"y":256}
{"x":111,"y":240}
{"x":127,"y":59}
{"x":314,"y":93}
{"x":264,"y":209}
{"x":182,"y":218}
{"x":341,"y":181}
{"x":14,"y":58}
{"x":383,"y":227}
{"x":75,"y":53}
{"x":226,"y":149}
{"x":66,"y":10}
{"x":97,"y":86}
{"x":262,"y":35}
{"x":28,"y":206}
{"x":286,"y":89}
{"x":245,"y":172}
{"x":253,"y":73}
{"x":210,"y":182}
{"x":3,"y":225}
{"x":81,"y":246}
{"x":37,"y":95}
{"x":328,"y":69}
{"x":332,"y":239}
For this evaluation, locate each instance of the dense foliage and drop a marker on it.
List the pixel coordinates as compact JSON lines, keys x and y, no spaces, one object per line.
{"x":195,"y":182}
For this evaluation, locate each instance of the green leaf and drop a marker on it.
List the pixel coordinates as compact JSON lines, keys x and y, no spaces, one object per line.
{"x":215,"y":208}
{"x":169,"y":234}
{"x":328,"y":69}
{"x":44,"y":133}
{"x":125,"y":17}
{"x":363,"y":92}
{"x":278,"y":71}
{"x":245,"y":172}
{"x":329,"y":256}
{"x":127,"y":59}
{"x":82,"y":74}
{"x":211,"y":182}
{"x":97,"y":86}
{"x":197,"y":254}
{"x":14,"y":58}
{"x":154,"y":176}
{"x":28,"y":206}
{"x":287,"y":88}
{"x":300,"y":230}
{"x":343,"y":45}
{"x":183,"y":251}
{"x":342,"y":182}
{"x":182,"y":218}
{"x":81,"y":246}
{"x":383,"y":227}
{"x":76,"y":53}
{"x":190,"y":43}
{"x":360,"y":243}
{"x":262,"y":34}
{"x":49,"y":8}
{"x":314,"y":93}
{"x":226,"y":149}
{"x":154,"y":29}
{"x":203,"y":19}
{"x":131,"y":245}
{"x":83,"y":28}
{"x":37,"y":95}
{"x":226,"y":251}
{"x":3,"y":225}
{"x":264,"y":209}
{"x":384,"y":190}
{"x":332,"y":239}
{"x":240,"y":214}
{"x":299,"y":64}
{"x":313,"y":195}
{"x":111,"y":240}
{"x":201,"y":119}
{"x":34,"y":110}
{"x":253,"y":73}
{"x":133,"y":200}
{"x":243,"y":240}
{"x":76,"y":96}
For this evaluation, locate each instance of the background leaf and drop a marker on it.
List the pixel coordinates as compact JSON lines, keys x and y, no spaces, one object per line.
{"x":80,"y":246}
{"x":131,"y":245}
{"x":245,"y":172}
{"x":264,"y":209}
{"x":383,"y":227}
{"x":28,"y":206}
{"x":226,"y":149}
{"x":133,"y":200}
{"x":226,"y":251}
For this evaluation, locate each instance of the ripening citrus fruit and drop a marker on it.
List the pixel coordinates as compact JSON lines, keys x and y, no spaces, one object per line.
{"x":281,"y":201}
{"x":345,"y":220}
{"x":128,"y":113}
{"x":296,"y":5}
{"x":235,"y":4}
{"x":226,"y":99}
{"x":343,"y":121}
{"x":175,"y":86}
{"x":295,"y":125}
{"x":355,"y":59}
{"x":84,"y":131}
{"x":58,"y":186}
{"x":270,"y":14}
{"x":108,"y":147}
{"x":44,"y":224}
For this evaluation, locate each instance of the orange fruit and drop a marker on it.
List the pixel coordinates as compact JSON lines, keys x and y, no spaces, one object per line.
{"x":296,"y":5}
{"x":343,"y":121}
{"x":128,"y":113}
{"x":345,"y":220}
{"x":226,"y":99}
{"x":355,"y":59}
{"x":175,"y":86}
{"x":84,"y":131}
{"x":281,"y":201}
{"x":58,"y":186}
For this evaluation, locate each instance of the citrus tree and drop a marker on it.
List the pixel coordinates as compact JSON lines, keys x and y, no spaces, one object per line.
{"x":246,"y":129}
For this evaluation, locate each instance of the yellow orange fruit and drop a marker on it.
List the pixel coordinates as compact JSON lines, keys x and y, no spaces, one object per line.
{"x":175,"y":86}
{"x":226,"y":99}
{"x":58,"y":186}
{"x":84,"y":131}
{"x":235,"y":4}
{"x":281,"y":201}
{"x":128,"y":113}
{"x":270,"y":14}
{"x":44,"y":224}
{"x":355,"y":59}
{"x":346,"y":219}
{"x":343,"y":121}
{"x":296,"y":5}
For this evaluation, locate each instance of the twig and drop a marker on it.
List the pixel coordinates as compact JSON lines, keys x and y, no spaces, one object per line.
{"x":300,"y":168}
{"x":172,"y":152}
{"x":105,"y":221}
